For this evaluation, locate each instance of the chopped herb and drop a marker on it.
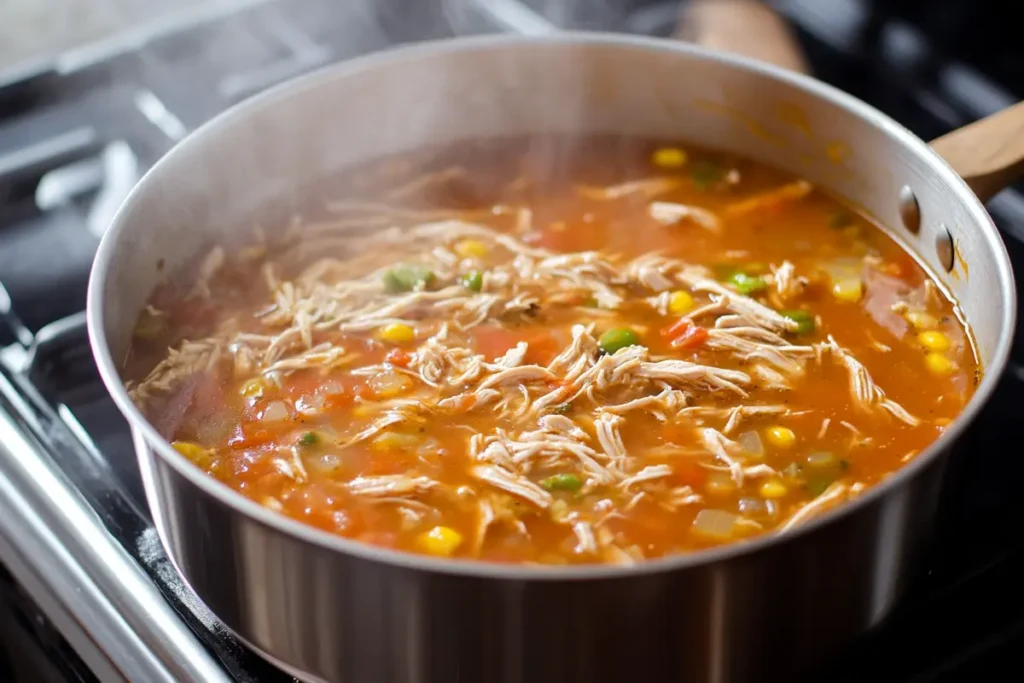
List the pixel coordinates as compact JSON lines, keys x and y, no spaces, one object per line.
{"x":309,"y":439}
{"x":563,"y":409}
{"x":406,"y":278}
{"x":473,"y":280}
{"x":591,"y":302}
{"x":803,"y":319}
{"x":617,"y":338}
{"x":747,"y":284}
{"x":705,"y":173}
{"x":844,"y":465}
{"x":840,"y":219}
{"x":562,"y":482}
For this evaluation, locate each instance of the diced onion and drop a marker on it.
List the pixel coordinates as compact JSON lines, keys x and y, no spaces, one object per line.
{"x":310,"y":405}
{"x":332,"y":387}
{"x":717,"y":524}
{"x":275,"y":412}
{"x":757,"y":507}
{"x":389,"y":384}
{"x":751,"y":443}
{"x":821,"y":459}
{"x":327,"y":462}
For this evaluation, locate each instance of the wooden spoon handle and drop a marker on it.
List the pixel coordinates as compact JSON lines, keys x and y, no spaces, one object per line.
{"x":988,"y":154}
{"x":745,"y":27}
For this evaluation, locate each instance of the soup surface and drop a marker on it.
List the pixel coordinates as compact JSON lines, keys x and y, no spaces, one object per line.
{"x":555,"y":351}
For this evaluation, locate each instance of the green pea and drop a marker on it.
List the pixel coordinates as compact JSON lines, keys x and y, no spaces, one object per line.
{"x":406,"y":278}
{"x":473,"y":280}
{"x":803,"y":319}
{"x":562,"y":482}
{"x":817,"y":486}
{"x":617,"y":338}
{"x":747,"y":284}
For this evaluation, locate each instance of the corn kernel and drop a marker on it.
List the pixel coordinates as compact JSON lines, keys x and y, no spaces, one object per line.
{"x":441,"y":541}
{"x":719,"y":484}
{"x":471,"y":249}
{"x":364,"y":410}
{"x":938,"y":364}
{"x":193,"y":451}
{"x":773,"y":488}
{"x":397,"y":333}
{"x":253,"y":388}
{"x":669,"y":157}
{"x":680,"y":302}
{"x":848,"y":289}
{"x":921,"y":320}
{"x":934,"y":340}
{"x":394,"y":441}
{"x":779,"y":436}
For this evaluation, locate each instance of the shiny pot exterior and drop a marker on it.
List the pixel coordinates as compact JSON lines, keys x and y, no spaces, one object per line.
{"x":330,"y":609}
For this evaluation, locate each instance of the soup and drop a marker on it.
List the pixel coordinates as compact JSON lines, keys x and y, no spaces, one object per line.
{"x":596,"y":350}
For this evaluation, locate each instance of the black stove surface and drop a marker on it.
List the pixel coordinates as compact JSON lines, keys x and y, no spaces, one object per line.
{"x":73,"y":139}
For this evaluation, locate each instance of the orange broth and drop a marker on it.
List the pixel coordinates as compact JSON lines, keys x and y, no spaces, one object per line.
{"x":290,"y":438}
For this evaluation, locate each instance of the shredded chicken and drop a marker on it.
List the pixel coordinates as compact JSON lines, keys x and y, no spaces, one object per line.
{"x":517,"y":485}
{"x":866,"y":394}
{"x":648,"y":188}
{"x":587,"y":541}
{"x":566,"y":417}
{"x":787,"y":285}
{"x":719,"y":446}
{"x":671,"y":213}
{"x":787,"y":193}
{"x":832,"y":496}
{"x":390,"y":485}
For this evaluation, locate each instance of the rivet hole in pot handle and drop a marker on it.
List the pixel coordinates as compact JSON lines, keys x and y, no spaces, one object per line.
{"x":988,"y":154}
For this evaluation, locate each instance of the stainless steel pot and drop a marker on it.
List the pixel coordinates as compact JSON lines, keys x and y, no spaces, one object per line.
{"x":329,"y":609}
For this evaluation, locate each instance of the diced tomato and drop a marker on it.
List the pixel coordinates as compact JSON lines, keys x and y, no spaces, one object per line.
{"x":541,"y":348}
{"x":338,"y":401}
{"x":250,"y":435}
{"x":683,"y":334}
{"x":692,"y":338}
{"x":688,"y":474}
{"x":676,"y":328}
{"x":398,"y":358}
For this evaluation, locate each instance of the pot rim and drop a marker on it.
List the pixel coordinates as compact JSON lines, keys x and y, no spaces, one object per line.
{"x":405,"y":560}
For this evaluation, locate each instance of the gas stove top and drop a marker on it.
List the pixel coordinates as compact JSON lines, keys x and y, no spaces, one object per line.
{"x":86,"y":591}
